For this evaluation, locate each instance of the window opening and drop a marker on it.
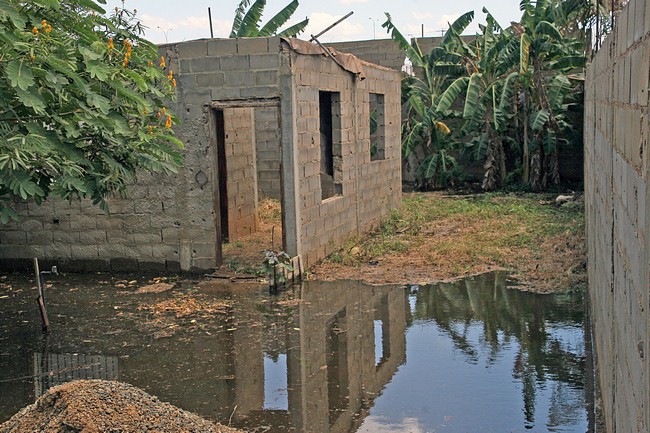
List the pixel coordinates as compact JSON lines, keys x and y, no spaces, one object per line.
{"x":377,"y":140}
{"x":330,"y":144}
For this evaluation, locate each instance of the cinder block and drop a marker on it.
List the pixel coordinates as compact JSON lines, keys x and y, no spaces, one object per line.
{"x":124,"y":265}
{"x":84,"y":251}
{"x":188,"y":50}
{"x":222,"y":47}
{"x":263,"y":78}
{"x":152,"y":266}
{"x":210,"y":79}
{"x":260,"y":92}
{"x":203,"y":264}
{"x":92,"y":237}
{"x":241,"y":78}
{"x":31,"y":224}
{"x":13,"y":237}
{"x":252,"y":45}
{"x":234,"y":63}
{"x":39,"y":237}
{"x":55,"y":251}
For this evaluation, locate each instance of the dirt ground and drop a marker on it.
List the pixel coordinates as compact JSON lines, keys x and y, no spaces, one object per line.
{"x":444,"y":248}
{"x":98,"y":406}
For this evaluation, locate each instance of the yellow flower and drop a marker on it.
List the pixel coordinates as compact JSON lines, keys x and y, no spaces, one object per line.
{"x":164,"y":110}
{"x":111,"y":46}
{"x":44,"y":23}
{"x":162,"y":61}
{"x":173,"y":82}
{"x":149,"y":63}
{"x":35,"y":30}
{"x":170,"y":76}
{"x":168,"y":123}
{"x":48,"y":29}
{"x":150,"y":129}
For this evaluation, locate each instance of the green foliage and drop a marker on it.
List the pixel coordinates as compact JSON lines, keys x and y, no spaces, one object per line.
{"x":505,"y":92}
{"x":246,"y":23}
{"x":425,"y":141}
{"x":81,"y":102}
{"x":276,"y":265}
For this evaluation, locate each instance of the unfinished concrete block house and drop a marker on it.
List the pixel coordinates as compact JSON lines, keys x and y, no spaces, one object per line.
{"x":261,"y":117}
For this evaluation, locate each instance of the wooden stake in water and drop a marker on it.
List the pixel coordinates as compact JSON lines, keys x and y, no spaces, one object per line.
{"x":41,"y":298}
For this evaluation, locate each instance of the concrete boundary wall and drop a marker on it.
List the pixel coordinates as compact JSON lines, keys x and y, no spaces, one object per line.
{"x":618,"y":217}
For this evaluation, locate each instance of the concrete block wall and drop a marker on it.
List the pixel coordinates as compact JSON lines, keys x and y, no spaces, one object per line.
{"x":268,"y":150}
{"x":383,"y":52}
{"x":369,"y":189}
{"x":386,"y":52}
{"x":228,"y":74}
{"x":617,"y":196}
{"x":225,"y":70}
{"x":241,"y":172}
{"x":166,"y":223}
{"x":162,"y":225}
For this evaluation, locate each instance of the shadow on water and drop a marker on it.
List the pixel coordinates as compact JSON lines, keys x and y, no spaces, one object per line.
{"x":325,"y":357}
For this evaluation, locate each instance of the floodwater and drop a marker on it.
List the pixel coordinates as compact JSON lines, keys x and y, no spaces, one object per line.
{"x":472,"y":356}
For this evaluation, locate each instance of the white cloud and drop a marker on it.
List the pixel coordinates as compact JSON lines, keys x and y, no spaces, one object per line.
{"x":191,"y":27}
{"x":382,"y":425}
{"x":319,"y":21}
{"x":447,"y":19}
{"x":422,"y":15}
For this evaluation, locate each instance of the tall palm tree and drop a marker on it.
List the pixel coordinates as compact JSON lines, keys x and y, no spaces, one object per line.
{"x":247,"y":21}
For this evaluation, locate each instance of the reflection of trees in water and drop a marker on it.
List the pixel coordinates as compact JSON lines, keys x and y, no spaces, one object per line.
{"x":506,"y":315}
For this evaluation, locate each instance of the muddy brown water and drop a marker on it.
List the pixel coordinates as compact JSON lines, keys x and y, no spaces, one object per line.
{"x":472,"y":356}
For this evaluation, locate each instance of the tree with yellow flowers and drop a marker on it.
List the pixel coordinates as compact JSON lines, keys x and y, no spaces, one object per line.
{"x":82,"y":102}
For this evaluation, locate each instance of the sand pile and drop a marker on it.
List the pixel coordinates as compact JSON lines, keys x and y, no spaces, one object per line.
{"x":99,"y":406}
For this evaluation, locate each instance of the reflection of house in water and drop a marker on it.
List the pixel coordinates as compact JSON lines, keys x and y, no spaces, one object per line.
{"x":326,"y":357}
{"x":52,"y":369}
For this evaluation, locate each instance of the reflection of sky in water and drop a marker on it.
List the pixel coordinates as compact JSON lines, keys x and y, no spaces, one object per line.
{"x":379,"y":348}
{"x":412,"y":300}
{"x":276,"y":396}
{"x":447,"y":388}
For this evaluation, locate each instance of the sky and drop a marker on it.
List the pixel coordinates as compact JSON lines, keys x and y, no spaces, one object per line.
{"x":174,"y":21}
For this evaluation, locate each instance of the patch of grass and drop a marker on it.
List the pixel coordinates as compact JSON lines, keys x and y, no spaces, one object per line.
{"x":523,"y":232}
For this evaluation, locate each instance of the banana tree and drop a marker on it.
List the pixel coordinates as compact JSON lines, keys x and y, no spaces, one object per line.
{"x":548,"y":59}
{"x":246,"y":23}
{"x":425,"y":137}
{"x":482,"y":77}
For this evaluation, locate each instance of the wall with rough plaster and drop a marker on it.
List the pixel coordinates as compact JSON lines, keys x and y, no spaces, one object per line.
{"x":617,"y":211}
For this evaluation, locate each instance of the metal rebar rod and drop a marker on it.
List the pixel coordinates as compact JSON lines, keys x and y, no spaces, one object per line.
{"x":313,"y":38}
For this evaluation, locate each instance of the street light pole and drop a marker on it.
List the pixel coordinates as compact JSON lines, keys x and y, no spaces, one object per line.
{"x":165,"y":32}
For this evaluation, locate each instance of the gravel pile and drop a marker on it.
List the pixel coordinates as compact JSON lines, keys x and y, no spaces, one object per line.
{"x":99,"y":406}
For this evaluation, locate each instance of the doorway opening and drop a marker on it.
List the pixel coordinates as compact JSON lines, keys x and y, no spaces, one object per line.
{"x":248,"y":163}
